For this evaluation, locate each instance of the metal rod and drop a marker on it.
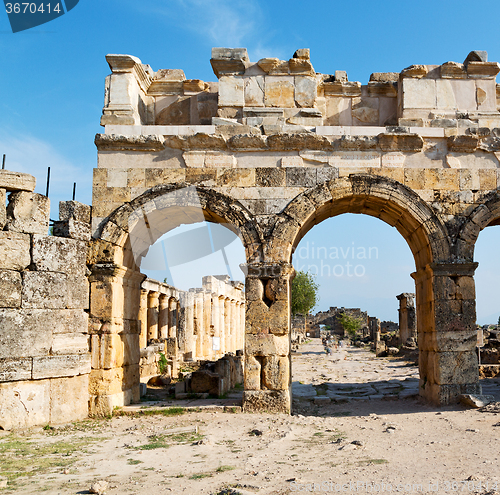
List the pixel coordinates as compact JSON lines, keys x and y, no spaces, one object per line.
{"x":74,"y":190}
{"x":3,"y":162}
{"x":48,"y":182}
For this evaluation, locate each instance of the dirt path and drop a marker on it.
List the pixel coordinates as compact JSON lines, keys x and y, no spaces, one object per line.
{"x":348,"y":444}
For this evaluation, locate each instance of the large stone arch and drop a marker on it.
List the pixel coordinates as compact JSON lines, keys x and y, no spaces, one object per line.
{"x":120,"y":242}
{"x":444,"y":290}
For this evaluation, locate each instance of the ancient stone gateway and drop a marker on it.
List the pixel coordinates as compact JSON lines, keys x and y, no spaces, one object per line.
{"x":273,"y":149}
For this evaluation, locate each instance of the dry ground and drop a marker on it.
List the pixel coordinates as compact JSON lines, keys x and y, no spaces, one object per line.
{"x":397,"y":440}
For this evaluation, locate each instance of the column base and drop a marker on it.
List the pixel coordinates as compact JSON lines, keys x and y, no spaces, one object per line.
{"x":103,"y":405}
{"x":442,"y":395}
{"x":271,"y":401}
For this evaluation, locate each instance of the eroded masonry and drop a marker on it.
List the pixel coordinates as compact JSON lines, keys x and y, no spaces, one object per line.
{"x":270,"y":150}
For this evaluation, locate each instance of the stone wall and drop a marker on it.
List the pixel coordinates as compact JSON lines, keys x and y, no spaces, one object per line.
{"x":44,"y":351}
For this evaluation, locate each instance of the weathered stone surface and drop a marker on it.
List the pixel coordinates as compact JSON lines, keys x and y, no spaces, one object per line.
{"x":16,"y":181}
{"x":195,"y":86}
{"x":113,"y":381}
{"x":59,"y":366}
{"x":276,"y":373}
{"x":229,"y":60}
{"x":28,"y":212}
{"x":15,"y":369}
{"x":69,"y":399}
{"x":72,"y":229}
{"x":416,"y":71}
{"x":463,"y":144}
{"x":300,"y":141}
{"x":56,"y":254}
{"x":303,"y":53}
{"x":247,"y":142}
{"x":118,"y":142}
{"x":273,"y":401}
{"x":305,"y":91}
{"x":10,"y":289}
{"x":268,"y":64}
{"x":400,"y":142}
{"x":24,"y":404}
{"x":265,"y":344}
{"x":69,"y":343}
{"x":231,"y":91}
{"x":384,"y":77}
{"x":279,"y":92}
{"x":74,"y":210}
{"x":254,"y":91}
{"x":44,"y":290}
{"x":453,"y":70}
{"x":300,"y":66}
{"x":3,"y":208}
{"x":25,"y":333}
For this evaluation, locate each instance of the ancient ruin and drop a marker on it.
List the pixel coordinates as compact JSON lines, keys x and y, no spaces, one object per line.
{"x":269,"y":150}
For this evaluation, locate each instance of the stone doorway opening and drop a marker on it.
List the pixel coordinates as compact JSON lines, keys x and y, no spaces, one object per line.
{"x":360,"y":264}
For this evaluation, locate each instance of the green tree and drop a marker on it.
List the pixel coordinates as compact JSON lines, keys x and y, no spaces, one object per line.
{"x":350,"y":324}
{"x":304,"y":294}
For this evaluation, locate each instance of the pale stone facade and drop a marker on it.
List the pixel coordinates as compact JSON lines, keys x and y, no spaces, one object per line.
{"x":274,"y":148}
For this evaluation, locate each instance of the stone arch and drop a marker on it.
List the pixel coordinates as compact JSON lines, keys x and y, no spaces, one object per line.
{"x":484,"y":215}
{"x":444,"y":300}
{"x":377,"y":196}
{"x":115,"y":283}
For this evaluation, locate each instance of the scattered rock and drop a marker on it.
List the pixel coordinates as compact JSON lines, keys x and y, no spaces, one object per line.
{"x":476,"y":400}
{"x":359,"y":443}
{"x":256,"y":433}
{"x":3,"y":482}
{"x":493,"y":407}
{"x":99,"y":487}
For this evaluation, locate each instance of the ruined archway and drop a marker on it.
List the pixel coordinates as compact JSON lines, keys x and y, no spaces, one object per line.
{"x":445,"y":323}
{"x":116,"y":281}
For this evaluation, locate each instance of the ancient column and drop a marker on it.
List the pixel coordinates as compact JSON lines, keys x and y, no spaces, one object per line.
{"x":267,"y":337}
{"x":163,"y":317}
{"x":206,"y":336}
{"x":198,"y":324}
{"x":153,"y":301}
{"x":172,"y":318}
{"x":214,"y":327}
{"x":143,"y":319}
{"x":407,"y":318}
{"x":447,"y":336}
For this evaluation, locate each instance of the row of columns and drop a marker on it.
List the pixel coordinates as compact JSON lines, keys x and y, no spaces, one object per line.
{"x":206,"y":323}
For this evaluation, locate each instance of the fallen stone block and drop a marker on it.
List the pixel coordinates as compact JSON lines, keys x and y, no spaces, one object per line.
{"x":28,"y":212}
{"x":476,"y":401}
{"x":14,"y":251}
{"x":16,"y":181}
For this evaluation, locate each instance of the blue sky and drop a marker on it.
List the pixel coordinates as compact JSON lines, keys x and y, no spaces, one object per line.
{"x":53,"y":86}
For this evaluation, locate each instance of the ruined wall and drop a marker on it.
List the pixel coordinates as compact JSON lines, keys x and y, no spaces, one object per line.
{"x":273,"y":148}
{"x":407,"y":319}
{"x":44,"y":352}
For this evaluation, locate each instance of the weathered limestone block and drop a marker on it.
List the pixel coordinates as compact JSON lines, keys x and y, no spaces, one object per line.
{"x":231,"y":91}
{"x":24,"y":333}
{"x":56,"y":254}
{"x":12,"y":369}
{"x":69,"y":343}
{"x":400,"y":142}
{"x":10,"y":289}
{"x":69,"y":399}
{"x":78,"y":292}
{"x":298,"y":141}
{"x":115,"y":350}
{"x":74,"y":210}
{"x":276,"y":373}
{"x":229,"y":60}
{"x":264,"y":344}
{"x":253,"y":373}
{"x":72,"y":229}
{"x":264,"y":319}
{"x":113,"y":381}
{"x":45,"y":290}
{"x":463,"y":144}
{"x":416,"y":71}
{"x":3,"y":208}
{"x":272,"y":401}
{"x":117,"y":142}
{"x":58,"y":366}
{"x":305,"y":91}
{"x":279,"y":92}
{"x":16,"y":181}
{"x":254,"y":91}
{"x":24,"y":404}
{"x":14,"y":251}
{"x":268,"y":64}
{"x":28,"y":212}
{"x":247,"y":142}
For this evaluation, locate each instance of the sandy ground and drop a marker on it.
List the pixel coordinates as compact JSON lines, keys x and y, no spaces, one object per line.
{"x":363,"y":431}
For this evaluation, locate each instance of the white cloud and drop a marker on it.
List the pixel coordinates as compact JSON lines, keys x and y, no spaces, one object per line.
{"x":28,"y":154}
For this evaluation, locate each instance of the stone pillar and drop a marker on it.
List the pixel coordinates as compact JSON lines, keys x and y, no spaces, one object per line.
{"x":185,"y":325}
{"x":233,"y":328}
{"x":447,"y":336}
{"x":115,"y":333}
{"x":143,"y":319}
{"x":267,"y":337}
{"x":198,"y":324}
{"x":227,"y":326}
{"x":241,"y":333}
{"x":153,"y":301}
{"x":163,"y":317}
{"x":407,"y":318}
{"x":172,"y":318}
{"x":214,"y":326}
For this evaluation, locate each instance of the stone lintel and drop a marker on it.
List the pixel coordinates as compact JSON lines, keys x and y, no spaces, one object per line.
{"x":458,"y":269}
{"x":16,"y":181}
